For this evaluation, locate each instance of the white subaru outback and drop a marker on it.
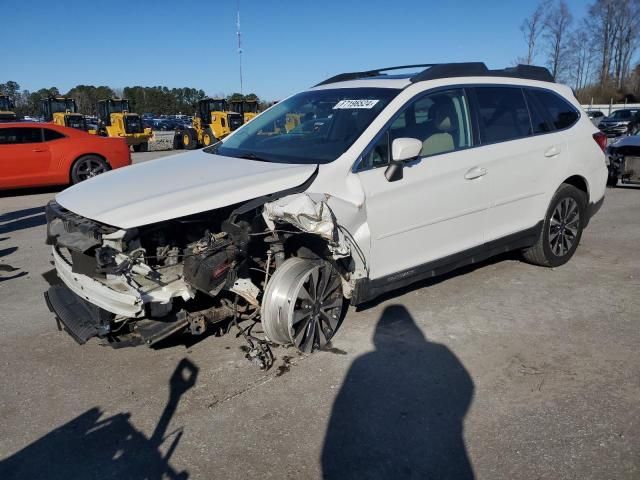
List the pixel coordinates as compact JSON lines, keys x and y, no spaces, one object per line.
{"x":367,"y":182}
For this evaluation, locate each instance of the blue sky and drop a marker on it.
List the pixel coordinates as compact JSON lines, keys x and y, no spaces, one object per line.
{"x":288,"y":45}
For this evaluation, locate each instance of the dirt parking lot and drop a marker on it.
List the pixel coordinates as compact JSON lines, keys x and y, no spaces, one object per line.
{"x":502,"y":371}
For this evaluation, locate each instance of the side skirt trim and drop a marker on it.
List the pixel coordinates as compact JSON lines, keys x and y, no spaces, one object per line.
{"x":367,"y":289}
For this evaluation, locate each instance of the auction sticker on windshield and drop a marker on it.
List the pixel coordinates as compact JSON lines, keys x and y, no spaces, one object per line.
{"x":355,"y":104}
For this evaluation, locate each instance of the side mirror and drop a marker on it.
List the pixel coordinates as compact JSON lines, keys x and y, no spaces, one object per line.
{"x":402,"y":150}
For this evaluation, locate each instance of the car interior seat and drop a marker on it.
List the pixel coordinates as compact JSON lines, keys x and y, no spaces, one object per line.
{"x":441,"y":140}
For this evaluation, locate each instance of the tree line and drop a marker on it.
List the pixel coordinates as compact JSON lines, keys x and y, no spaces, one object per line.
{"x":594,"y":54}
{"x":158,"y":100}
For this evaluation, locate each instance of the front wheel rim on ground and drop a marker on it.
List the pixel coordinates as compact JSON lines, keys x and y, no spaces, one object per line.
{"x":303,"y":304}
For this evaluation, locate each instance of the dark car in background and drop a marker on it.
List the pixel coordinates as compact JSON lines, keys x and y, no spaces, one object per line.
{"x":595,"y":116}
{"x":620,"y":122}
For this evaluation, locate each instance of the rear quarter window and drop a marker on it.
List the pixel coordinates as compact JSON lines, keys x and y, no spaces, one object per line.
{"x":50,"y":135}
{"x":561,"y":113}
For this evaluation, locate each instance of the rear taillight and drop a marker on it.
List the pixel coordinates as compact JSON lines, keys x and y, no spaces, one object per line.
{"x":601,"y":140}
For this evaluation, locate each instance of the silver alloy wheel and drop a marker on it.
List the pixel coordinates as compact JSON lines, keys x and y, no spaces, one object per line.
{"x":90,"y":167}
{"x":564,"y":226}
{"x":302,"y":304}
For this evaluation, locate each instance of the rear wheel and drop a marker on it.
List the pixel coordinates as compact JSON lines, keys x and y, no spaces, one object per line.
{"x":208,"y":138}
{"x":189,"y":139}
{"x":87,"y":167}
{"x":561,"y":230}
{"x":302,"y":304}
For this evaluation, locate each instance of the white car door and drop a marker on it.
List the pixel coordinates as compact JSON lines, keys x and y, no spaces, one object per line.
{"x":438,"y":208}
{"x":522,"y":159}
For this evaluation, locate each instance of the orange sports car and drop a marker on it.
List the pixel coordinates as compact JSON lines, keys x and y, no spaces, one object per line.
{"x":38,"y":154}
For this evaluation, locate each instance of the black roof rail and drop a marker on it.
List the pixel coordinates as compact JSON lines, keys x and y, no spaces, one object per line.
{"x":343,"y":77}
{"x":432,"y":71}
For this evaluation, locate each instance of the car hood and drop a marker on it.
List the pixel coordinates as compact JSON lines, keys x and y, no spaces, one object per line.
{"x":177,"y":186}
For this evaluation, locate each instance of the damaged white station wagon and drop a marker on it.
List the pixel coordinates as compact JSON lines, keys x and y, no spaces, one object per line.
{"x":365,"y":183}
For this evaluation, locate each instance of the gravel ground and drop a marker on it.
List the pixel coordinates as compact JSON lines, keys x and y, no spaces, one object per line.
{"x":502,"y":371}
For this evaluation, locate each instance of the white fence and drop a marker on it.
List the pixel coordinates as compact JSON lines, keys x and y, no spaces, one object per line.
{"x":608,"y":108}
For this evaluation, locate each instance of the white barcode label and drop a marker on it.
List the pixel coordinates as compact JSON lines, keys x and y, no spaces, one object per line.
{"x":342,"y":104}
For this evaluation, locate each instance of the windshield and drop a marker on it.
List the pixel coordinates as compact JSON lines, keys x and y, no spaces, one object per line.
{"x":217,"y":106}
{"x":5,"y":104}
{"x":118,"y":106}
{"x":311,"y":127}
{"x":622,"y":114}
{"x":62,"y":105}
{"x":250,"y":107}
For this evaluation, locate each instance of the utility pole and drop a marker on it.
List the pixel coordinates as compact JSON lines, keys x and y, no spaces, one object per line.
{"x":239,"y":46}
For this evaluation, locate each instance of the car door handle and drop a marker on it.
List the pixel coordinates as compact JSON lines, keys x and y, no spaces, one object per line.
{"x":475,"y":172}
{"x":552,"y":152}
{"x":39,"y":150}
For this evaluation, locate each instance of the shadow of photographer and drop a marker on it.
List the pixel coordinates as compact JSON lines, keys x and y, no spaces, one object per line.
{"x":400,"y":411}
{"x":94,"y":446}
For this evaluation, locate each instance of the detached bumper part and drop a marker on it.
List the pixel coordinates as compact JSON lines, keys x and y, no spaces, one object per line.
{"x":76,"y":316}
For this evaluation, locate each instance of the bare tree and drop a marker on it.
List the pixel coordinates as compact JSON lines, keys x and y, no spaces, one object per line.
{"x":580,"y":58}
{"x":556,"y":26}
{"x":626,"y":26}
{"x":531,"y":29}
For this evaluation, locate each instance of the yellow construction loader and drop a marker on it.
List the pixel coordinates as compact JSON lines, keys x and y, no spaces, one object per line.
{"x":212,"y":122}
{"x":6,"y":109}
{"x":63,"y":111}
{"x":247,"y":108}
{"x":115,"y":120}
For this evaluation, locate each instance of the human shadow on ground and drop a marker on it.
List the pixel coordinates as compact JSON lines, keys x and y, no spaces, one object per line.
{"x":21,"y":219}
{"x":400,"y":411}
{"x":94,"y":446}
{"x":5,"y":268}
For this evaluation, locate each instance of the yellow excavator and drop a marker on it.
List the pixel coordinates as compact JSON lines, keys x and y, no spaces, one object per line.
{"x":63,"y":111}
{"x":212,"y":122}
{"x":115,"y":120}
{"x":6,"y":109}
{"x":247,"y":108}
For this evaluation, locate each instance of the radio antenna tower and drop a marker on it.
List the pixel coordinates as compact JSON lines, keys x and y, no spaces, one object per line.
{"x":239,"y":46}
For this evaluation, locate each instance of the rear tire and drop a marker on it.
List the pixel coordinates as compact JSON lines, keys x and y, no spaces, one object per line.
{"x":189,"y":139}
{"x":561,"y":229}
{"x":87,"y":167}
{"x":303,"y":303}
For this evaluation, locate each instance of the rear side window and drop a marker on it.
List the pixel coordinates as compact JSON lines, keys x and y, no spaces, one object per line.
{"x":503,"y":114}
{"x":561,"y":112}
{"x":12,"y":136}
{"x":538,"y":115}
{"x":52,"y":135}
